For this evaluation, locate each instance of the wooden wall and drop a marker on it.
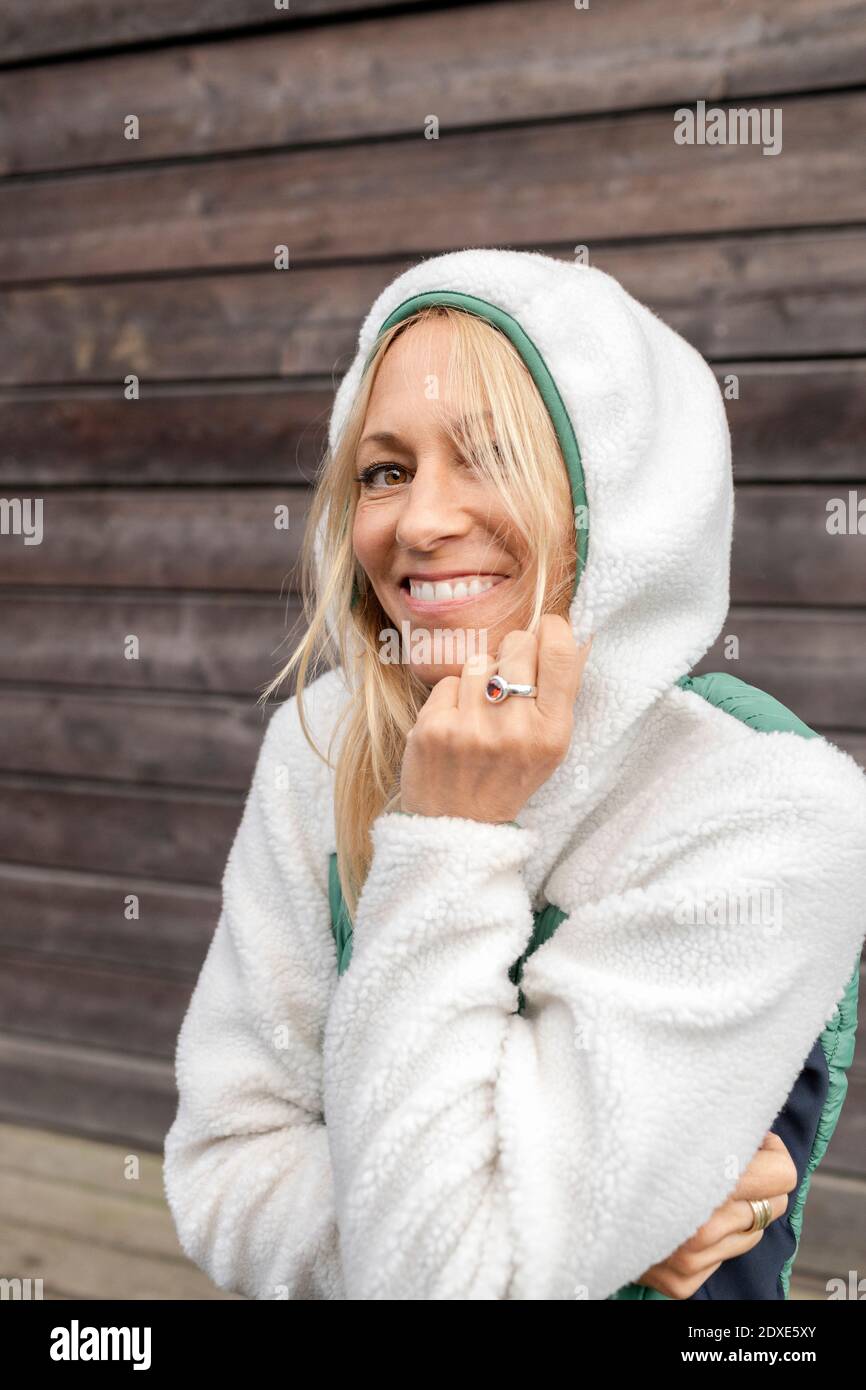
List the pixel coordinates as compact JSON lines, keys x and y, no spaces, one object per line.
{"x":154,"y":257}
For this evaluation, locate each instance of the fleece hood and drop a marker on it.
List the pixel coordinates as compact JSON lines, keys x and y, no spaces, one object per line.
{"x":641,"y":424}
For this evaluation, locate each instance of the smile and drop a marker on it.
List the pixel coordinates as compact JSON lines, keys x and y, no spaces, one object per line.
{"x":463,"y":589}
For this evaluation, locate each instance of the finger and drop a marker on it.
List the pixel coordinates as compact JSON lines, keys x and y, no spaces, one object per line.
{"x":742,"y":1213}
{"x":731,"y":1224}
{"x":518,"y":657}
{"x":770,"y":1172}
{"x":561,"y":665}
{"x":472,"y":680}
{"x":442,"y":696}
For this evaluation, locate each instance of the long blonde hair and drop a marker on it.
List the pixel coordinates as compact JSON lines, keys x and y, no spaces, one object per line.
{"x":523,"y":461}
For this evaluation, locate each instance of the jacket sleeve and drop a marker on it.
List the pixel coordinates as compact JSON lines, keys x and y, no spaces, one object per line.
{"x":557,"y":1154}
{"x":247,"y":1170}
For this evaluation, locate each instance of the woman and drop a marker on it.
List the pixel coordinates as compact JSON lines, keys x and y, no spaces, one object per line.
{"x":437,"y":1109}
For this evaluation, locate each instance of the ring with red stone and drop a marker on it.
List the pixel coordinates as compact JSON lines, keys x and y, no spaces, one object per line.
{"x":498,"y":689}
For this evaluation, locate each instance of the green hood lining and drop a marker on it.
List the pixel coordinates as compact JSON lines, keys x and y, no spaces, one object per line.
{"x":538,"y":370}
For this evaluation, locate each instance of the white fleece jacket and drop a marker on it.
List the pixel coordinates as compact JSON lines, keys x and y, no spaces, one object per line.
{"x":400,"y":1132}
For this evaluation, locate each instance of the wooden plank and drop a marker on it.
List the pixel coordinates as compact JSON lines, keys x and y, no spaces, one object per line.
{"x":183,"y":836}
{"x":70,"y":1161}
{"x":223,"y":327}
{"x":759,"y":296}
{"x":125,"y":1099}
{"x":792,"y":421}
{"x":128,"y":1223}
{"x":130,"y":1012}
{"x":223,"y":644}
{"x":82,"y":918}
{"x":784,"y":553}
{"x":241,"y":432}
{"x":797,"y":420}
{"x":178,"y":538}
{"x":199,"y":741}
{"x":30,"y":31}
{"x":203,"y":538}
{"x":813,"y":660}
{"x":797,"y":293}
{"x":586,"y":179}
{"x":324,"y":84}
{"x":84,"y":1269}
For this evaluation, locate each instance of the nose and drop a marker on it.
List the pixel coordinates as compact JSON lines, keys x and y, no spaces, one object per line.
{"x":433,"y":506}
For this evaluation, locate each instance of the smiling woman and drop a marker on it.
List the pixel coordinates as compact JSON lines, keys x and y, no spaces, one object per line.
{"x":467,"y":1028}
{"x":446,"y":504}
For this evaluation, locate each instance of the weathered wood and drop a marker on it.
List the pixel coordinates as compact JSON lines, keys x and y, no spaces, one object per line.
{"x":177,"y":835}
{"x":67,"y":26}
{"x":784,"y":552}
{"x":179,"y":538}
{"x":267,"y":324}
{"x":81,"y":918}
{"x":131,"y":1012}
{"x":70,"y":1214}
{"x":224,"y":644}
{"x":72,"y":1162}
{"x":247,"y":432}
{"x":232,"y":434}
{"x":581,"y":180}
{"x":125,"y":1099}
{"x":813,"y":660}
{"x":173,"y":740}
{"x":797,"y":420}
{"x":786,"y":548}
{"x":315,"y":84}
{"x":84,"y":1268}
{"x":769,"y":295}
{"x":792,"y":421}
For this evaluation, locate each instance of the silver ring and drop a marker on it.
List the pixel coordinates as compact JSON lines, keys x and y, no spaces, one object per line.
{"x":498,"y":689}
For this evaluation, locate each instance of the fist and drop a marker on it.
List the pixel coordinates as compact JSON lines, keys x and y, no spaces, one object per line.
{"x":466,"y":757}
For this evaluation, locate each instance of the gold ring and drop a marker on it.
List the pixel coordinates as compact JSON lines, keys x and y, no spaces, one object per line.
{"x":762,"y":1215}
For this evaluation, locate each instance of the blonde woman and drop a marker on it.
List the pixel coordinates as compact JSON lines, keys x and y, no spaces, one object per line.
{"x":535,"y":976}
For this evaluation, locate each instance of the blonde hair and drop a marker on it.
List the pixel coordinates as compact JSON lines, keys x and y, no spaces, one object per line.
{"x":523,"y":461}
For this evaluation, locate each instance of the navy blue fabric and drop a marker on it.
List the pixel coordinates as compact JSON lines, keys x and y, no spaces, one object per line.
{"x":756,"y":1274}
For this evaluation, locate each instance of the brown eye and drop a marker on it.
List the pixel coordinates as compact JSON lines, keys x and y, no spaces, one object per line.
{"x":368,"y":474}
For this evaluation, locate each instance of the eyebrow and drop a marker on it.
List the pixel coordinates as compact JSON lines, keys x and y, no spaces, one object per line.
{"x":395,"y":441}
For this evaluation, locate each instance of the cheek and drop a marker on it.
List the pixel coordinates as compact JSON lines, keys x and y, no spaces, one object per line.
{"x":371,"y":536}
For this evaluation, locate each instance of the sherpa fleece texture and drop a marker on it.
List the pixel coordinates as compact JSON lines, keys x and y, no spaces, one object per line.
{"x":400,"y":1132}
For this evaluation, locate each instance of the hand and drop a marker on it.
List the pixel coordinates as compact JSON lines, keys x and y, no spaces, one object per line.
{"x":771,"y":1174}
{"x":467,"y":757}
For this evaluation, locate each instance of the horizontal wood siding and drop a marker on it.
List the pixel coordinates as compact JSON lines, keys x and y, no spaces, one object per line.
{"x":155,"y":257}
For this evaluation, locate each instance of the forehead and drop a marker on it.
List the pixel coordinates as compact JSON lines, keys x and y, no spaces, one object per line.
{"x":413,"y":384}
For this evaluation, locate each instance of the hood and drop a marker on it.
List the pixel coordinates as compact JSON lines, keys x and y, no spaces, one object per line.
{"x":642,"y":427}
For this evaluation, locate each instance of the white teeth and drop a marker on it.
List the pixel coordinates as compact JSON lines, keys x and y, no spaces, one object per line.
{"x":446,"y":589}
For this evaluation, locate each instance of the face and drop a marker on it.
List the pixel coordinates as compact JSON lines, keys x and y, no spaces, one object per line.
{"x":432,"y":536}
